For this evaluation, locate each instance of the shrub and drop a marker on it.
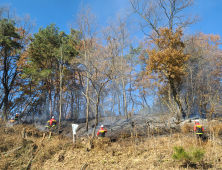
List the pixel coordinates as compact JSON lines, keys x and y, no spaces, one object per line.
{"x":180,"y":154}
{"x":191,"y":156}
{"x":198,"y":154}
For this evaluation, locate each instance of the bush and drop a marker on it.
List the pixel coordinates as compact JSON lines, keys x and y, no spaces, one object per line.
{"x":191,"y":156}
{"x":198,"y":154}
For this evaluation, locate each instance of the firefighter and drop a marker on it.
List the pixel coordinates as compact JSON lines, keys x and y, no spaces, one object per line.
{"x":101,"y":132}
{"x":16,"y":116}
{"x":198,"y":128}
{"x":53,"y":122}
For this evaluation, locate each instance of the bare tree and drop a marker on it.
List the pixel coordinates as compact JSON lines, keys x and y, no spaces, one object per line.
{"x":155,"y":14}
{"x":204,"y":74}
{"x":85,"y":22}
{"x":118,"y":36}
{"x":103,"y":70}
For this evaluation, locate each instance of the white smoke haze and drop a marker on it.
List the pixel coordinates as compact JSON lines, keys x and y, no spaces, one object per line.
{"x":115,"y":125}
{"x":118,"y":124}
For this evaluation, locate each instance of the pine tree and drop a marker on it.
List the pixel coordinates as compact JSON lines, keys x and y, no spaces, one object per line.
{"x":9,"y":47}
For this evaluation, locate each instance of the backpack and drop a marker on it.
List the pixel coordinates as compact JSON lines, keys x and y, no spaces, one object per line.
{"x":101,"y":133}
{"x":199,"y":129}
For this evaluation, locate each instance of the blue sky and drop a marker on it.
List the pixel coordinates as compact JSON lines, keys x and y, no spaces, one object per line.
{"x":62,"y":11}
{"x":210,"y":11}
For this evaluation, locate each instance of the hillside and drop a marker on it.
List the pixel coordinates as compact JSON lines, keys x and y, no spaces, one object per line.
{"x":152,"y":151}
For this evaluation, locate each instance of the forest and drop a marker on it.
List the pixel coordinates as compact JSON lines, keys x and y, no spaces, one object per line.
{"x":95,"y":71}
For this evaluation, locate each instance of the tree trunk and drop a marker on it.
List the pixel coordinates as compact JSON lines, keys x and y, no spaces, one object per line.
{"x":60,"y":103}
{"x":96,"y":121}
{"x":118,"y":97}
{"x":144,"y":98}
{"x":87,"y":93}
{"x":78,"y":105}
{"x":60,"y":86}
{"x":50,"y":98}
{"x":72,"y":106}
{"x":114,"y":95}
{"x":176,"y":99}
{"x":5,"y":84}
{"x":5,"y":105}
{"x":124,"y":97}
{"x":124,"y":88}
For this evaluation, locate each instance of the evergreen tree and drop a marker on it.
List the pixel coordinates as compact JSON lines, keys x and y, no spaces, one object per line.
{"x":45,"y":57}
{"x":9,"y":48}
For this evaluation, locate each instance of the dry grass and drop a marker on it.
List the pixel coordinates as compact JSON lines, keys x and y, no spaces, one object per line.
{"x":187,"y":128}
{"x":135,"y":153}
{"x":215,"y":127}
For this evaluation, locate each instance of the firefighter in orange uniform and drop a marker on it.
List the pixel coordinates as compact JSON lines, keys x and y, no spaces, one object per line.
{"x":16,"y":116}
{"x":101,"y":132}
{"x":53,"y":122}
{"x":198,"y":128}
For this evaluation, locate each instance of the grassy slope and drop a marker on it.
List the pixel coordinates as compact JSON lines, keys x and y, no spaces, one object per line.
{"x":130,"y":153}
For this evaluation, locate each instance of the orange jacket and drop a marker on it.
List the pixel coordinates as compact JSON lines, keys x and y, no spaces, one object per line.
{"x":195,"y":128}
{"x":101,"y":129}
{"x":52,"y":120}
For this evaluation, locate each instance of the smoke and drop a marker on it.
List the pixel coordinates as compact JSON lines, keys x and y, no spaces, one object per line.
{"x":113,"y":124}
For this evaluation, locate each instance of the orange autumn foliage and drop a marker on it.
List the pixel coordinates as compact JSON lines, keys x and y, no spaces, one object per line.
{"x":168,"y":59}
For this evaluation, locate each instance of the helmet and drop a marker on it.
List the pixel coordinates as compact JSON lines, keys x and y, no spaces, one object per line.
{"x":17,"y":114}
{"x":101,"y":125}
{"x":53,"y":117}
{"x":197,"y":121}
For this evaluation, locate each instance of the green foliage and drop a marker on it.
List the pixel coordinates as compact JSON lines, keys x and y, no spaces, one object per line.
{"x":180,"y":154}
{"x":9,"y":54}
{"x":191,"y":156}
{"x":8,"y":35}
{"x":198,"y":154}
{"x":45,"y":53}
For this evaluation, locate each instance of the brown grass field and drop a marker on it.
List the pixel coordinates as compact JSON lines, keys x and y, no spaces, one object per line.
{"x":152,"y":151}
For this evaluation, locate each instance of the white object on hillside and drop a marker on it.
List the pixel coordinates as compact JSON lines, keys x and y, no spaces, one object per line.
{"x":74,"y":128}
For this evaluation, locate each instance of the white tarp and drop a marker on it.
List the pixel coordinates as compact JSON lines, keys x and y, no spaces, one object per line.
{"x":74,"y":128}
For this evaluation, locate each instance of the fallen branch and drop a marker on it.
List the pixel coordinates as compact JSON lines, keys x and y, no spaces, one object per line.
{"x":11,"y":150}
{"x":84,"y":166}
